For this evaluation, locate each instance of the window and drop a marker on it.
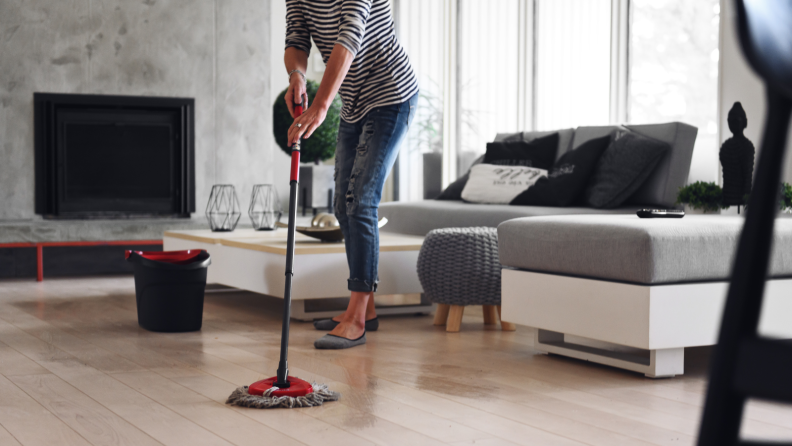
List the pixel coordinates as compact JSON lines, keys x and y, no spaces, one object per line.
{"x":674,"y":71}
{"x":487,"y":75}
{"x":488,"y":67}
{"x":573,"y":63}
{"x":421,"y":32}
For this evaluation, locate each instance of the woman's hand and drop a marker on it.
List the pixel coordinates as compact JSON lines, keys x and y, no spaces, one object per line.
{"x":337,"y":68}
{"x":296,"y":93}
{"x":312,"y":118}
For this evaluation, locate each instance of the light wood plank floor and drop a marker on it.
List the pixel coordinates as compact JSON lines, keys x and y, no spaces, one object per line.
{"x":75,"y":369}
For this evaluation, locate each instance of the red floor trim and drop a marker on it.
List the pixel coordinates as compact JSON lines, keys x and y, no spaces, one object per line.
{"x":17,"y":245}
{"x":40,"y":249}
{"x":39,"y":263}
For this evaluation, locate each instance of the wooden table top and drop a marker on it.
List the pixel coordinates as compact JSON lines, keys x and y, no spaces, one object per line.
{"x":208,"y":236}
{"x":275,"y":241}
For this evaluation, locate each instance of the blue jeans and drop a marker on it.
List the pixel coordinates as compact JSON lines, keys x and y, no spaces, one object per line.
{"x":365,"y":154}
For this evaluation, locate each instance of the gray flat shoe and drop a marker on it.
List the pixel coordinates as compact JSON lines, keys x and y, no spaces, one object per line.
{"x":333,"y":342}
{"x":329,"y":324}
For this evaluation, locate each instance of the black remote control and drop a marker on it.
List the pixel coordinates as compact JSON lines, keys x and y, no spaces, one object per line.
{"x":660,"y":213}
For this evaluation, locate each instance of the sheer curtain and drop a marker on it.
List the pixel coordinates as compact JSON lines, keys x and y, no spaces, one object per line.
{"x":674,"y":71}
{"x":421,"y":32}
{"x":573,"y":65}
{"x":552,"y":64}
{"x":487,"y":75}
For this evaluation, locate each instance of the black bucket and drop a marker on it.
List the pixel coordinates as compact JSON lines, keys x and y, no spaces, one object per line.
{"x":169,"y":286}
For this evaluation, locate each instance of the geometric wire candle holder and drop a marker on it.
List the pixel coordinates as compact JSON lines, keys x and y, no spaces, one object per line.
{"x":223,"y":208}
{"x":265,"y":207}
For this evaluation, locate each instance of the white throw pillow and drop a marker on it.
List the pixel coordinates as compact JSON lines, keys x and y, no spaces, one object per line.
{"x":494,"y":184}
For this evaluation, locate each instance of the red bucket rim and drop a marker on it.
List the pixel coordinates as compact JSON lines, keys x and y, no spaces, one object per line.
{"x":174,"y":257}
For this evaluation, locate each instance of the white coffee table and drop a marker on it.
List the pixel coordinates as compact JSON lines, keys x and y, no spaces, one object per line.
{"x":255,"y":261}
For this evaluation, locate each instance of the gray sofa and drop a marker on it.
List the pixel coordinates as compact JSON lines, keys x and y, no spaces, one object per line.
{"x":660,"y":189}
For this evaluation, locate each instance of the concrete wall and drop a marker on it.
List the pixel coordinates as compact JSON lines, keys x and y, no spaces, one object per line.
{"x":216,"y":51}
{"x":278,"y":83}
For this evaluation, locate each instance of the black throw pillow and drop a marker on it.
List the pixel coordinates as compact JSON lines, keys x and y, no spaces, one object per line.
{"x":623,"y":168}
{"x":454,"y":190}
{"x":568,"y":178}
{"x":539,"y":153}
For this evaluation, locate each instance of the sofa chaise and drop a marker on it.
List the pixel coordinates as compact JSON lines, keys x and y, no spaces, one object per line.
{"x":642,"y":290}
{"x":659,"y":190}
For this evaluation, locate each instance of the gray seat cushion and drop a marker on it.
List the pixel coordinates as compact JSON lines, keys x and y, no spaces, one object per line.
{"x":628,"y":249}
{"x":420,"y":217}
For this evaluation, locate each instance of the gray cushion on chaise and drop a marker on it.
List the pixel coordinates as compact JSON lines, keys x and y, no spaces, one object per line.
{"x":630,"y":249}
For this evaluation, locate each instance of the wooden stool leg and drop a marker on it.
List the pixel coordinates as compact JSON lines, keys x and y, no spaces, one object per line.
{"x":505,"y":326}
{"x":455,"y":318}
{"x":490,"y":318}
{"x":441,"y":316}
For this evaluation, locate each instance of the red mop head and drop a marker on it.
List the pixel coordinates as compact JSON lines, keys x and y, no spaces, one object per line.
{"x":264,"y":395}
{"x":298,"y":387}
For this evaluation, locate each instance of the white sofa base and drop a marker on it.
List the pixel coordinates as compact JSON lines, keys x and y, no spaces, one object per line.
{"x":659,"y":363}
{"x":661,"y":320}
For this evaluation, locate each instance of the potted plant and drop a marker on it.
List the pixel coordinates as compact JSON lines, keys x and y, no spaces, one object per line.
{"x":701,"y":198}
{"x":785,"y":200}
{"x":316,"y":179}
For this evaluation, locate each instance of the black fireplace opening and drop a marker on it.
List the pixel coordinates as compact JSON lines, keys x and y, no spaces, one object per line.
{"x":114,"y":156}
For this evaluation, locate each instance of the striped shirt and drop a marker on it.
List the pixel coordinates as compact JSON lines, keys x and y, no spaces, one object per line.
{"x":380,"y":74}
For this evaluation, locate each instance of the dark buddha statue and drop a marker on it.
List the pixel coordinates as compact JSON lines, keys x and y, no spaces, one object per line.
{"x":737,"y":158}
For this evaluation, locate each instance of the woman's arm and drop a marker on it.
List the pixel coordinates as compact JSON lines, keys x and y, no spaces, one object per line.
{"x":351,"y":30}
{"x":337,"y":67}
{"x":298,"y":47}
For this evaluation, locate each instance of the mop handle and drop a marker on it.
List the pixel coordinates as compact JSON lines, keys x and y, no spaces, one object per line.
{"x":283,"y":365}
{"x":295,"y":154}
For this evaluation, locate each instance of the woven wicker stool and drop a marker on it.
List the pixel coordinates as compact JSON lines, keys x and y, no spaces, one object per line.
{"x":459,"y":267}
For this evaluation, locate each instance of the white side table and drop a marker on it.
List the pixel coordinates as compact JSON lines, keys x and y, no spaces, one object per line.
{"x":255,"y":261}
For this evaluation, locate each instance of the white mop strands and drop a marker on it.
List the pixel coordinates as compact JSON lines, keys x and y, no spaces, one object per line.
{"x":317,"y":397}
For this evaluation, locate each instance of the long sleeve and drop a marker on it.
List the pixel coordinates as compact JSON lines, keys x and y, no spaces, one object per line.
{"x":354,"y":16}
{"x":297,"y":33}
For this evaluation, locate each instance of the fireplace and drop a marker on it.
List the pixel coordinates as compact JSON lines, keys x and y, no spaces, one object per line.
{"x":114,"y":156}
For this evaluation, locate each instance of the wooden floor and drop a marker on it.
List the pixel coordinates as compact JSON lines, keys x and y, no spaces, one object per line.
{"x":75,"y":369}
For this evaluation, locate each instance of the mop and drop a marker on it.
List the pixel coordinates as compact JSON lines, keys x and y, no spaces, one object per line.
{"x":283,"y":390}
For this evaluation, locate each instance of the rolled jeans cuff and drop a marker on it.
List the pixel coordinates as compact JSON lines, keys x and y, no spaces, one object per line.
{"x":362,"y":286}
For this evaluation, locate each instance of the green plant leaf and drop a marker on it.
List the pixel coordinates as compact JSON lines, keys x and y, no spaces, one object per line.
{"x":702,"y":195}
{"x":785,"y":198}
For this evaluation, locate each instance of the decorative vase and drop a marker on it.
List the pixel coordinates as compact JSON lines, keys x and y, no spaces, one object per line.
{"x":265,"y":207}
{"x":223,"y":208}
{"x":317,"y":184}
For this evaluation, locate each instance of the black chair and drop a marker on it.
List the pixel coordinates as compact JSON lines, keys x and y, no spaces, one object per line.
{"x":743,"y":364}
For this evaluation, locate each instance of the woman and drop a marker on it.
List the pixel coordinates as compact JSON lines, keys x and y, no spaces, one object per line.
{"x":368,"y":67}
